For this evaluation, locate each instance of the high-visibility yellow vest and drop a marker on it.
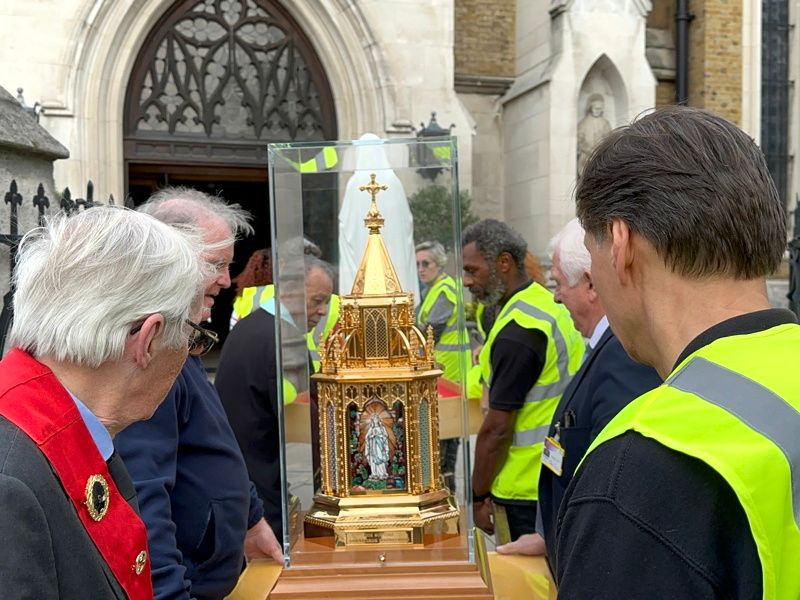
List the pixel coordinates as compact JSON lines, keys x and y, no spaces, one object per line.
{"x":452,"y":350}
{"x":250,"y":299}
{"x":253,"y":297}
{"x":289,"y":391}
{"x":474,"y":383}
{"x":479,"y":310}
{"x":534,"y":308}
{"x":474,"y":375}
{"x":325,"y":160}
{"x":735,"y":406}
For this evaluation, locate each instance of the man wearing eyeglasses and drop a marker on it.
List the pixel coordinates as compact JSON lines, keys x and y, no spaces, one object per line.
{"x":247,"y":377}
{"x":81,"y":369}
{"x":203,"y":514}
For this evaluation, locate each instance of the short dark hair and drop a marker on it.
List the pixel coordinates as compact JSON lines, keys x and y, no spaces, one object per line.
{"x":693,"y":185}
{"x":494,"y":237}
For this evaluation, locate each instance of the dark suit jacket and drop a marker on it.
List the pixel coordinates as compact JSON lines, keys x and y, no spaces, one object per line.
{"x":247,"y":383}
{"x":46,"y":551}
{"x":607,"y":381}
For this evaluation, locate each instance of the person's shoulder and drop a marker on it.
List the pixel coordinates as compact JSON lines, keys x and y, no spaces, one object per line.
{"x":254,"y":333}
{"x":253,"y":326}
{"x":612,"y":357}
{"x":626,"y":470}
{"x":516,"y":333}
{"x":675,"y":500}
{"x":13,"y":442}
{"x":20,"y":457}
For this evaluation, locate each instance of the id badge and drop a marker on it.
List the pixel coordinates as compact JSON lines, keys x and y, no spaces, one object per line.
{"x":553,"y":455}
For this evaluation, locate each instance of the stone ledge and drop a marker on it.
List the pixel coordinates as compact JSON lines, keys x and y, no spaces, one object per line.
{"x":482,"y":84}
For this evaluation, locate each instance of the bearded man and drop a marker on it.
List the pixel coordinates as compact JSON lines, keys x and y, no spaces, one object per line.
{"x":531,"y":353}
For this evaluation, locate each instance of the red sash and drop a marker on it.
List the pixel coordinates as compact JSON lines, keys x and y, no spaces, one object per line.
{"x":33,"y":399}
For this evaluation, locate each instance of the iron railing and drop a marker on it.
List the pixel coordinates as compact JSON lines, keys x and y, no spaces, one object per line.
{"x":41,"y":203}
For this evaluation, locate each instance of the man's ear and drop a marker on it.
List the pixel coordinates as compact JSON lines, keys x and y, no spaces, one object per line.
{"x":504,"y":262}
{"x":141,"y":344}
{"x":591,"y":292}
{"x":622,"y":254}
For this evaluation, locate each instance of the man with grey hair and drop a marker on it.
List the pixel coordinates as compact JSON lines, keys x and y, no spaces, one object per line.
{"x":202,"y":512}
{"x":248,"y":380}
{"x":531,"y":352}
{"x":607,"y":381}
{"x":692,"y":490}
{"x":102,"y":301}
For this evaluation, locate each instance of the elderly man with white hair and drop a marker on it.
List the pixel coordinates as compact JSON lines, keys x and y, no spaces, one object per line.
{"x":101,"y":329}
{"x":607,"y":381}
{"x":203,"y":514}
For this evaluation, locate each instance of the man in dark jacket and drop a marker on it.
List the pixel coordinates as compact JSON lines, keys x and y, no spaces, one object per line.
{"x":247,"y":377}
{"x":100,"y":332}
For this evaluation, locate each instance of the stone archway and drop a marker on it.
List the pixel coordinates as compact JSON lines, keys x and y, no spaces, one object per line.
{"x":216,"y":80}
{"x":212,"y":84}
{"x":103,"y":50}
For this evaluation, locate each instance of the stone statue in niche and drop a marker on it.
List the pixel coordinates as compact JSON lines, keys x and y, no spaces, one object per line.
{"x":591,"y":129}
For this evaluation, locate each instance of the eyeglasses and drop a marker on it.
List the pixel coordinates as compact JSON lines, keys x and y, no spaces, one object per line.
{"x":423,"y":263}
{"x":201,"y":340}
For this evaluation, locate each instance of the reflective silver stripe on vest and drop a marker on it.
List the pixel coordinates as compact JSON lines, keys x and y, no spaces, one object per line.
{"x":759,"y":408}
{"x":450,"y":328}
{"x":452,"y":347}
{"x":314,"y":354}
{"x":530,"y":437}
{"x":539,"y":392}
{"x":548,"y":390}
{"x":258,"y":297}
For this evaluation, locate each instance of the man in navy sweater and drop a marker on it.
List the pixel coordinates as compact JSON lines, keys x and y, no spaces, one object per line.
{"x":202,"y":513}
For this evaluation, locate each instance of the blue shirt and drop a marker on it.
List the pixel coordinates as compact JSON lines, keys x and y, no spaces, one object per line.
{"x":269,"y":306}
{"x":97,"y":430}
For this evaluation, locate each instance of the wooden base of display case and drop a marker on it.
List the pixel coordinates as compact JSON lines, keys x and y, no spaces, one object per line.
{"x":439,"y":570}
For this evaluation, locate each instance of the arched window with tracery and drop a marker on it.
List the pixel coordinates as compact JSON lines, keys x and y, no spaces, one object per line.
{"x":217,"y":79}
{"x":213,"y":83}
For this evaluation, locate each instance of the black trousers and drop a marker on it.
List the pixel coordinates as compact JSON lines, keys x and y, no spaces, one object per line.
{"x":521,"y":518}
{"x":448,"y":455}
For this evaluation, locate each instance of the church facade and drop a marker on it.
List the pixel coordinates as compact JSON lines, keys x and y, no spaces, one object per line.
{"x":145,"y":93}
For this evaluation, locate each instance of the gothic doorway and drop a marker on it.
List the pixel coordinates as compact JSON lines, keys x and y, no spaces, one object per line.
{"x":214,"y":82}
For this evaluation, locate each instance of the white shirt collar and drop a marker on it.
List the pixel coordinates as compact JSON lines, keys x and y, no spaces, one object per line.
{"x":598,"y":332}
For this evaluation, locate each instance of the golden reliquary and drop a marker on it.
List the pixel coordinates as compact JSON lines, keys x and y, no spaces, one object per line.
{"x":378,"y":415}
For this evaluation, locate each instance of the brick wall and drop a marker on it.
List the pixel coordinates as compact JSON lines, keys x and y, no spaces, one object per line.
{"x":662,"y":14}
{"x":665,"y":93}
{"x":661,"y":49}
{"x":715,"y":57}
{"x":484,"y":37}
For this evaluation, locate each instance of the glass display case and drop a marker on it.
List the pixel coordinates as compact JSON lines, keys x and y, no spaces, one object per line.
{"x":372,"y":399}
